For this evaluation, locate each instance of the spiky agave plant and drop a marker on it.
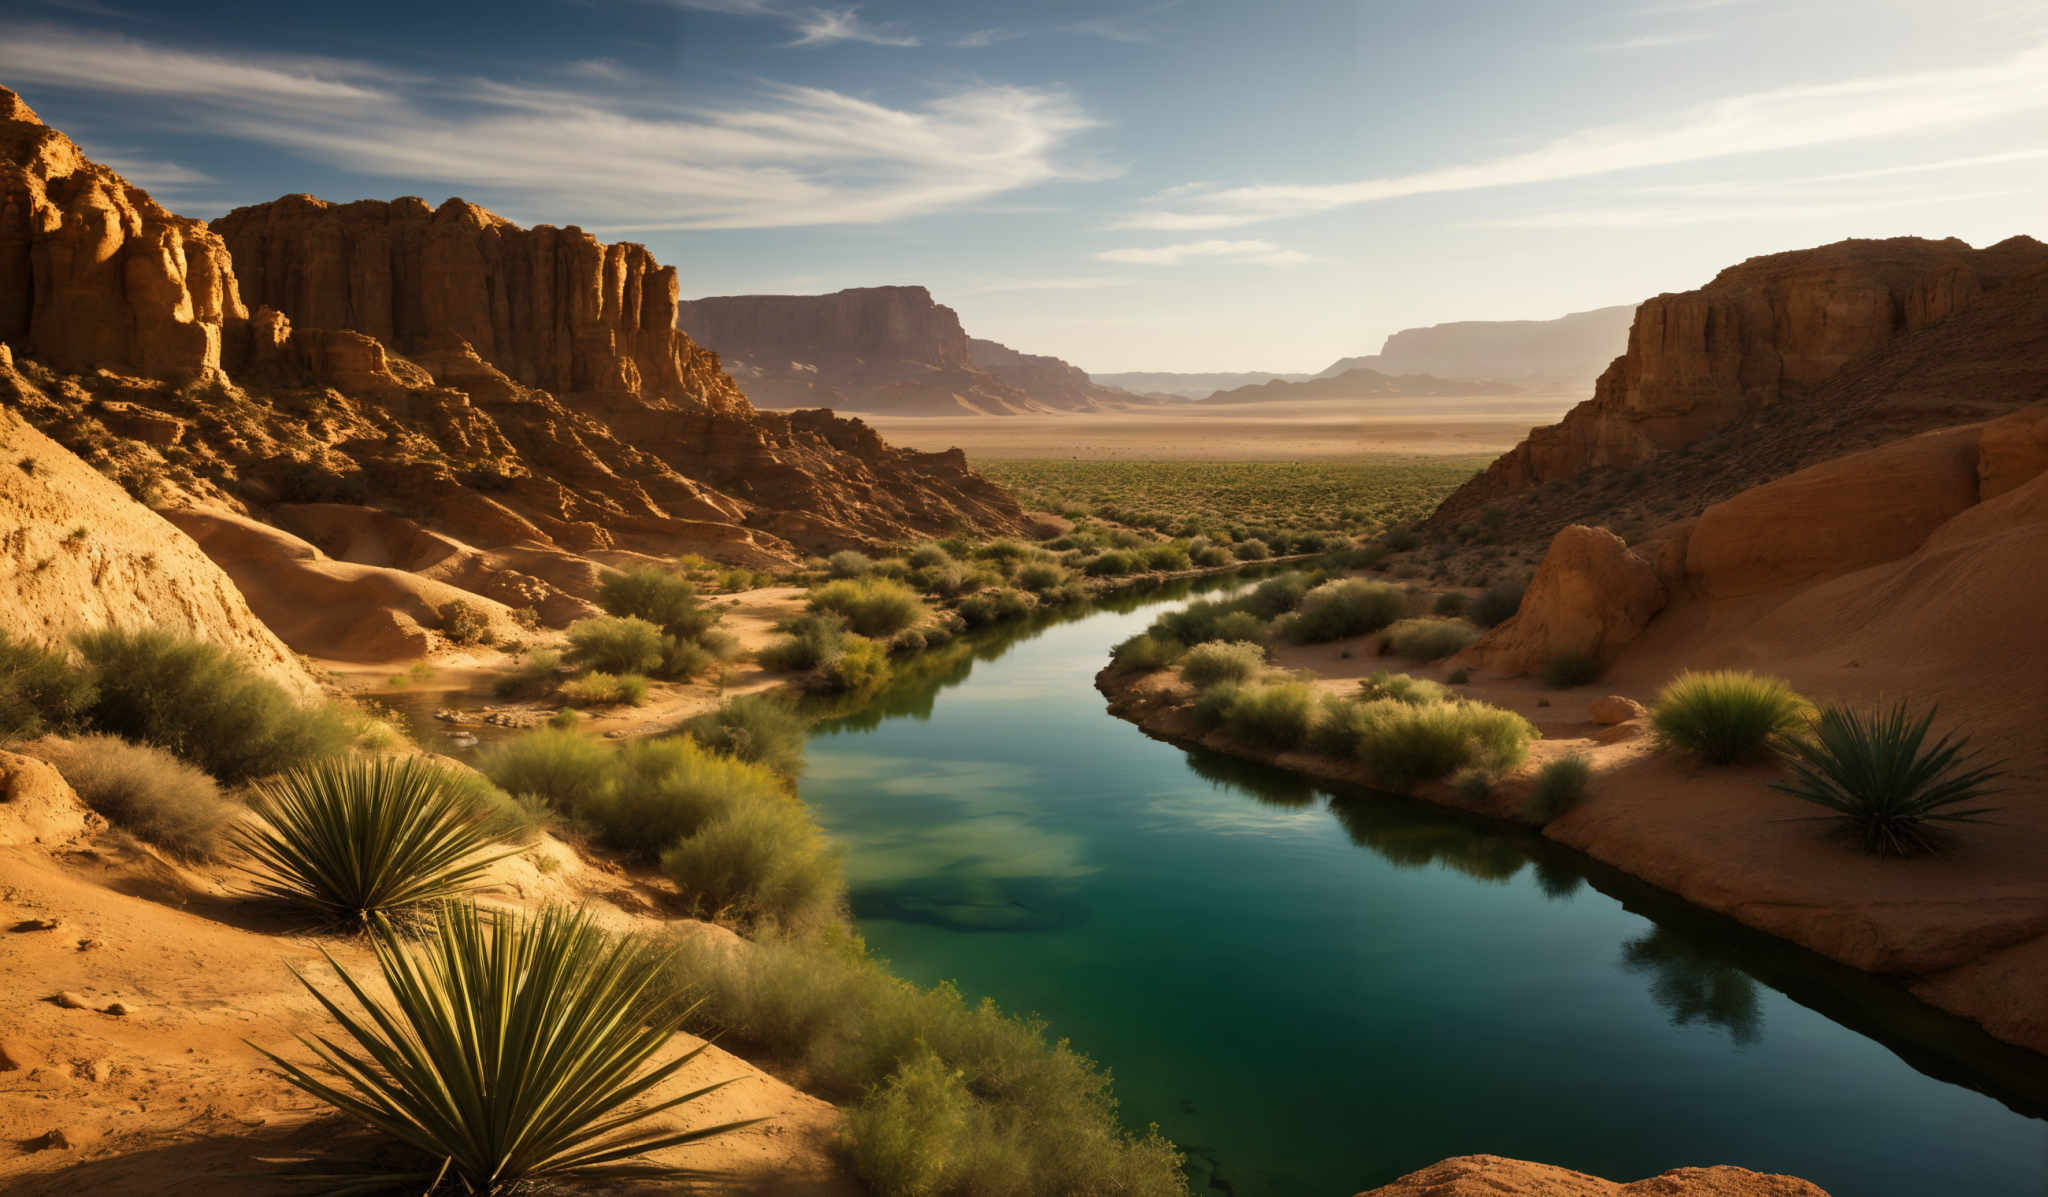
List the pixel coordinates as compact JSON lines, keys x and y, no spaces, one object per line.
{"x":355,"y":837}
{"x":1883,"y":781}
{"x":511,"y":1050}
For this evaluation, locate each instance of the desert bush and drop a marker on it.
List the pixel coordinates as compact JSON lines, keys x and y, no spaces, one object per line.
{"x":762,"y":728}
{"x":1726,"y":715}
{"x":463,"y":623}
{"x":1404,"y":743}
{"x":1401,"y":687}
{"x":599,"y":689}
{"x":1341,"y":609}
{"x":994,"y":606}
{"x":1253,"y":549}
{"x":1496,"y":604}
{"x":682,"y":659}
{"x":1212,"y":705}
{"x":1147,"y":651}
{"x":1885,"y":784}
{"x":1449,"y":603}
{"x":40,"y":690}
{"x":149,"y":794}
{"x":1278,"y":594}
{"x":946,"y":1097}
{"x":1426,"y":639}
{"x":1219,"y":661}
{"x":860,"y":663}
{"x":759,"y":863}
{"x":1401,"y":540}
{"x":1040,"y":576}
{"x":870,"y":606}
{"x":204,"y":704}
{"x":536,"y":672}
{"x":925,"y":556}
{"x":353,"y":837}
{"x":667,"y":600}
{"x":947,"y":579}
{"x":1275,"y":715}
{"x":513,"y":1050}
{"x":1113,"y":564}
{"x":1167,"y":557}
{"x":807,"y":642}
{"x":1005,"y":550}
{"x":1559,"y":786}
{"x":848,"y":564}
{"x":1209,"y":556}
{"x":1569,"y":670}
{"x":561,"y":767}
{"x":616,"y":644}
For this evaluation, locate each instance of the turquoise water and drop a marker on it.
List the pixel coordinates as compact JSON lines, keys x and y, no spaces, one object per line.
{"x":1313,"y":993}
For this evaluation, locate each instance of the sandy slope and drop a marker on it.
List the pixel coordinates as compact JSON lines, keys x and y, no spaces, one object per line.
{"x":1275,"y":431}
{"x":168,"y":1098}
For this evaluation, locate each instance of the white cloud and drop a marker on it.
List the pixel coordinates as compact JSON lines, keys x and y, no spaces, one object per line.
{"x":814,"y":26}
{"x":1725,"y":213}
{"x":1760,"y":122}
{"x":1264,"y":253}
{"x":612,"y":160}
{"x":152,"y":174}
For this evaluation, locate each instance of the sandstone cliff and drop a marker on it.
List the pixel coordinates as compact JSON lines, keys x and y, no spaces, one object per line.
{"x":486,"y":403}
{"x":1779,"y":362}
{"x":94,"y":273}
{"x":1362,"y":383}
{"x":877,"y":349}
{"x":1496,"y":1176}
{"x":1567,"y":352}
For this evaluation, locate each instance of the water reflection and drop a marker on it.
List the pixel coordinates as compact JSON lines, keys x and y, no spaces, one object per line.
{"x":1696,"y":983}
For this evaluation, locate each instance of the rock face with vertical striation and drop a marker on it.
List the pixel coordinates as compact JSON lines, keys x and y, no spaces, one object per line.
{"x":94,"y":273}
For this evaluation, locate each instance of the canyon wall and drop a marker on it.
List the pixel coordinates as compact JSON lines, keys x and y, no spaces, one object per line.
{"x":1046,"y":379}
{"x":1773,"y":332}
{"x":1569,"y":351}
{"x":93,"y":272}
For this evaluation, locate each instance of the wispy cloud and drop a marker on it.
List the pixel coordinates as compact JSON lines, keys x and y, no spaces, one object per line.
{"x":1262,"y":252}
{"x":614,"y":159}
{"x":814,"y":26}
{"x":151,"y":173}
{"x":1085,"y":283}
{"x":1759,"y":122}
{"x":1670,"y":216}
{"x":982,"y":39}
{"x":1650,"y":41}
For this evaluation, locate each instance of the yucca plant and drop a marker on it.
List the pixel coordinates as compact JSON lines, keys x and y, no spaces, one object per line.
{"x":1883,"y":780}
{"x":355,"y":837}
{"x":513,"y":1049}
{"x":1727,"y":715}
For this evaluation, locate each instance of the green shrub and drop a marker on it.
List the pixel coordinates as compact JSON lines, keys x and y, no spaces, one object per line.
{"x":353,"y":837}
{"x":616,"y":644}
{"x":1885,"y":784}
{"x":848,"y":564}
{"x":204,"y":704}
{"x":1112,"y":564}
{"x":463,"y":623}
{"x":682,"y":659}
{"x":870,"y":606}
{"x":1167,"y":557}
{"x":994,"y":606}
{"x":1273,"y":715}
{"x":1253,"y":549}
{"x":1277,"y":595}
{"x":1002,"y":1111}
{"x":807,"y":642}
{"x":149,"y":794}
{"x":1726,"y":715}
{"x":1429,"y":639}
{"x":1210,"y":556}
{"x":1342,"y":609}
{"x":1496,"y":604}
{"x":605,"y":689}
{"x":1401,"y":687}
{"x":1213,"y":705}
{"x":667,"y":600}
{"x":1559,"y":786}
{"x":925,"y":556}
{"x":502,"y":1055}
{"x":1569,"y":670}
{"x":1217,"y":661}
{"x":860,"y":664}
{"x":1005,"y":550}
{"x":1458,"y":677}
{"x":1403,"y":743}
{"x":1040,"y":576}
{"x":947,"y":579}
{"x":1401,"y":540}
{"x":761,"y":863}
{"x":1146,"y":651}
{"x":762,"y":728}
{"x":1450,"y":603}
{"x":562,"y":767}
{"x":40,"y":690}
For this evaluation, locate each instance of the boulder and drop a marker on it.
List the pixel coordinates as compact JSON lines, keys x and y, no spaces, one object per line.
{"x":37,"y":806}
{"x":1615,"y":709}
{"x":1590,"y":596}
{"x":1496,"y":1176}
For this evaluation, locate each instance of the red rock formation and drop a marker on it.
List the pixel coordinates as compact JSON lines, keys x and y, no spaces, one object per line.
{"x":1046,"y":379}
{"x":1591,"y":595}
{"x":550,"y":308}
{"x":1772,"y":331}
{"x":1497,"y":1176}
{"x":94,"y":273}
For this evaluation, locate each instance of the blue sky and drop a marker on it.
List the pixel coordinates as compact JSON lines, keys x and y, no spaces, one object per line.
{"x":1130,"y":186}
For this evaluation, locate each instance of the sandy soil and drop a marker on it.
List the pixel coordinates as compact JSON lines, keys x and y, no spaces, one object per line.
{"x":168,"y":1098}
{"x":1279,"y":431}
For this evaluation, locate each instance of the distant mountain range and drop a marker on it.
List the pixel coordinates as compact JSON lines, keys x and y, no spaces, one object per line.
{"x":1362,"y":384}
{"x":880,"y":349}
{"x":1192,"y":386}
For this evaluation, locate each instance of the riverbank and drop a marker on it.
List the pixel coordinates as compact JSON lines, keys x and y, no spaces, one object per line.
{"x":1965,"y":932}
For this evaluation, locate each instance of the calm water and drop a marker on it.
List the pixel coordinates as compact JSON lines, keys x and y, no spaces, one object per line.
{"x":1313,"y":993}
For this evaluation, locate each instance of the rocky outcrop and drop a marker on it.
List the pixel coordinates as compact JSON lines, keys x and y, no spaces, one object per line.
{"x":553,"y":309}
{"x":877,"y":349}
{"x":1569,"y":351}
{"x":94,"y":273}
{"x":1590,"y":597}
{"x":76,"y":553}
{"x":1497,"y":1176}
{"x":1833,"y":328}
{"x":1362,"y":383}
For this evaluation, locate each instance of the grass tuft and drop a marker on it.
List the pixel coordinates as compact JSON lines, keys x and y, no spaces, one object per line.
{"x":1559,"y":786}
{"x":1429,"y":639}
{"x":870,"y":606}
{"x":1217,"y":661}
{"x":1727,"y":716}
{"x":149,"y":794}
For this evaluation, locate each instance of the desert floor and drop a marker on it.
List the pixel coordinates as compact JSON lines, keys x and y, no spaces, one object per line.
{"x":1274,"y":431}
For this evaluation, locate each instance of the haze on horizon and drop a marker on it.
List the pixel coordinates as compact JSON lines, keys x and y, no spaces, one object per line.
{"x":1190,"y":186}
